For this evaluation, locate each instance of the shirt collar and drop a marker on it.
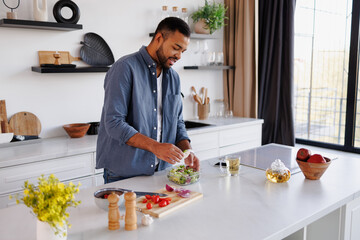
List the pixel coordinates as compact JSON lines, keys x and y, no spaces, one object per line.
{"x":148,"y":60}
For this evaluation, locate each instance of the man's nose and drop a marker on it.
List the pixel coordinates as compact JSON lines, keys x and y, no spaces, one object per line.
{"x":178,"y":55}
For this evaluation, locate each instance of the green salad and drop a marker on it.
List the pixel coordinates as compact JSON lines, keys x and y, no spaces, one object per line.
{"x":183,"y":175}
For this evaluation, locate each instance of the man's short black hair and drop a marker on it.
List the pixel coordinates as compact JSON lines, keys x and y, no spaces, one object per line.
{"x":171,"y":25}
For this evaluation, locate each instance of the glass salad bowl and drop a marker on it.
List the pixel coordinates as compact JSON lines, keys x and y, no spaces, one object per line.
{"x":182,"y":175}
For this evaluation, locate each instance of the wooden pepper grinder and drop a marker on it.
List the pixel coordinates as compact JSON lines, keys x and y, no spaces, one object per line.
{"x":130,"y":211}
{"x":57,"y":58}
{"x":114,"y":213}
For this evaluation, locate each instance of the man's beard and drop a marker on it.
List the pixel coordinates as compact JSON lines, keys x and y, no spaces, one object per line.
{"x":161,"y":57}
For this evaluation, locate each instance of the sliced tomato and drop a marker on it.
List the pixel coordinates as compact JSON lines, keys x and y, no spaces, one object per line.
{"x":148,"y":197}
{"x":167,"y":199}
{"x":156,"y":198}
{"x":149,"y":206}
{"x":163,"y":203}
{"x":145,"y":200}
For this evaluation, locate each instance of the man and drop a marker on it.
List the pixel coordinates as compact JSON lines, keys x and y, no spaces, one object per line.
{"x":142,"y":128}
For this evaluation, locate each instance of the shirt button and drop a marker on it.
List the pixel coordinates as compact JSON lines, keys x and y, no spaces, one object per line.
{"x":152,"y":165}
{"x":154,"y":91}
{"x":154,"y":128}
{"x":153,"y":73}
{"x":154,"y":109}
{"x":153,"y":64}
{"x":149,"y":65}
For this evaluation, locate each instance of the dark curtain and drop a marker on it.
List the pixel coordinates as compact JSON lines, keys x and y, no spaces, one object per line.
{"x":276,"y":54}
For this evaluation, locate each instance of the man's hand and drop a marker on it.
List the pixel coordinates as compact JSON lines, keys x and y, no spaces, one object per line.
{"x":192,"y":161}
{"x":168,"y":152}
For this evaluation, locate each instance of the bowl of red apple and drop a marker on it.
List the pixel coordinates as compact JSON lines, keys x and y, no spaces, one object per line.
{"x":313,"y":166}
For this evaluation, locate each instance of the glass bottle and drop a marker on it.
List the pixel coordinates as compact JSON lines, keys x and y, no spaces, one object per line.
{"x":175,"y":12}
{"x":164,"y":12}
{"x":184,"y":15}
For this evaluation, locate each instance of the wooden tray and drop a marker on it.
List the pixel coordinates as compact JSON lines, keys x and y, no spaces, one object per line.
{"x":47,"y":57}
{"x":176,"y":203}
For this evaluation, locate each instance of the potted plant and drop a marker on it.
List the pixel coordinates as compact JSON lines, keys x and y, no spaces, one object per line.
{"x":209,"y":18}
{"x":49,"y":201}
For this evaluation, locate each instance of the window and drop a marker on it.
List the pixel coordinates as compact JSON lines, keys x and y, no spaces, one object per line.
{"x":324,"y":42}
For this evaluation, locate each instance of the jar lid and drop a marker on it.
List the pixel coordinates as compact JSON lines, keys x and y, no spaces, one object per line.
{"x":184,"y":10}
{"x":164,"y":8}
{"x":175,"y":9}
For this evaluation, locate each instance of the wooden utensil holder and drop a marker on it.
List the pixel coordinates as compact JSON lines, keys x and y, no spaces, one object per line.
{"x":203,"y":111}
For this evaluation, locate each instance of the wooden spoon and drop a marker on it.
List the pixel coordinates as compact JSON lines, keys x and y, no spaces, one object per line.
{"x":194,"y":90}
{"x":205,"y":98}
{"x":197,"y":99}
{"x":202,"y":92}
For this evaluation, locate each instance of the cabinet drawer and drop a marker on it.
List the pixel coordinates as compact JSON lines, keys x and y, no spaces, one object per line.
{"x":239,"y":135}
{"x":204,"y":141}
{"x":99,"y":180}
{"x":12,"y":178}
{"x":86,"y":182}
{"x":239,"y":147}
{"x":207,"y":154}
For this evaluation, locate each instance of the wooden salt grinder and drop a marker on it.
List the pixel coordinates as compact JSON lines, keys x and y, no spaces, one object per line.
{"x":130,"y":211}
{"x":114,"y":213}
{"x":57,"y":58}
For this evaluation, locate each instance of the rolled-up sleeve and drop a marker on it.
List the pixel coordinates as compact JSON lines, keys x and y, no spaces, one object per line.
{"x":118,"y":85}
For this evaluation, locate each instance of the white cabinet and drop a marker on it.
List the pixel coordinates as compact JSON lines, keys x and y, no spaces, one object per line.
{"x":341,"y":224}
{"x":12,"y":178}
{"x":218,"y":142}
{"x":77,"y":168}
{"x":351,"y":223}
{"x":86,"y":182}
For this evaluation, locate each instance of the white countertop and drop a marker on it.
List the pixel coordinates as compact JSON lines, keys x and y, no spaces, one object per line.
{"x":16,"y":153}
{"x":243,"y":207}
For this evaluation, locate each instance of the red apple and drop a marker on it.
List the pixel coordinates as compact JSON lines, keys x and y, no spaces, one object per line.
{"x":316,"y":158}
{"x":303,"y":154}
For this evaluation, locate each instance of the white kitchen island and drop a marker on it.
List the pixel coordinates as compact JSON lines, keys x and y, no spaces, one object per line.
{"x":243,"y":207}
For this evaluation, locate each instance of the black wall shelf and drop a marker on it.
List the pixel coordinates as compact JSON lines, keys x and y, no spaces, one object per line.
{"x":197,"y":36}
{"x":69,"y":70}
{"x":17,"y":23}
{"x":214,"y":67}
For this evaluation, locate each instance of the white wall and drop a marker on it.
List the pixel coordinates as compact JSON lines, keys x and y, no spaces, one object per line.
{"x":59,"y":99}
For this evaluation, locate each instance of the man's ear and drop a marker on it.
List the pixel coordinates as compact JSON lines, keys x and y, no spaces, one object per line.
{"x":158,"y":39}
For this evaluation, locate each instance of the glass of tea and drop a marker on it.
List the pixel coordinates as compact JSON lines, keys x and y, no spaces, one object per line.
{"x":231,"y":166}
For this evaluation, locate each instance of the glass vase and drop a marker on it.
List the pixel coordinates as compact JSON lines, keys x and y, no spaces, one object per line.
{"x":45,"y":232}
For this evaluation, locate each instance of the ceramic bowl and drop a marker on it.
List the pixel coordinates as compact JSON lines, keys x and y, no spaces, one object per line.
{"x":6,"y":137}
{"x":101,"y":200}
{"x":313,"y":171}
{"x":76,"y":130}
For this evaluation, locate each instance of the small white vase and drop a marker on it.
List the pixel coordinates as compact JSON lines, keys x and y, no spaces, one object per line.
{"x":45,"y":232}
{"x":200,"y":27}
{"x":40,"y":14}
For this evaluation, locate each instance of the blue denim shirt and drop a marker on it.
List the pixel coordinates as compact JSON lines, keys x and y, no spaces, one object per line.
{"x":130,"y":100}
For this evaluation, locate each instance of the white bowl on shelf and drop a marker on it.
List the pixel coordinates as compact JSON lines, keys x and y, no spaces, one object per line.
{"x":6,"y":137}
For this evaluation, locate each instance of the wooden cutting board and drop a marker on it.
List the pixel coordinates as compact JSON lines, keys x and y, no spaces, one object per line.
{"x":25,"y":123}
{"x":3,"y":116}
{"x":177,"y":202}
{"x":47,"y":57}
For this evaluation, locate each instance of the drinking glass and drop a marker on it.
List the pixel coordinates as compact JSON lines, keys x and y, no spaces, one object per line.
{"x":219,"y":58}
{"x":210,"y":59}
{"x":232,"y":165}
